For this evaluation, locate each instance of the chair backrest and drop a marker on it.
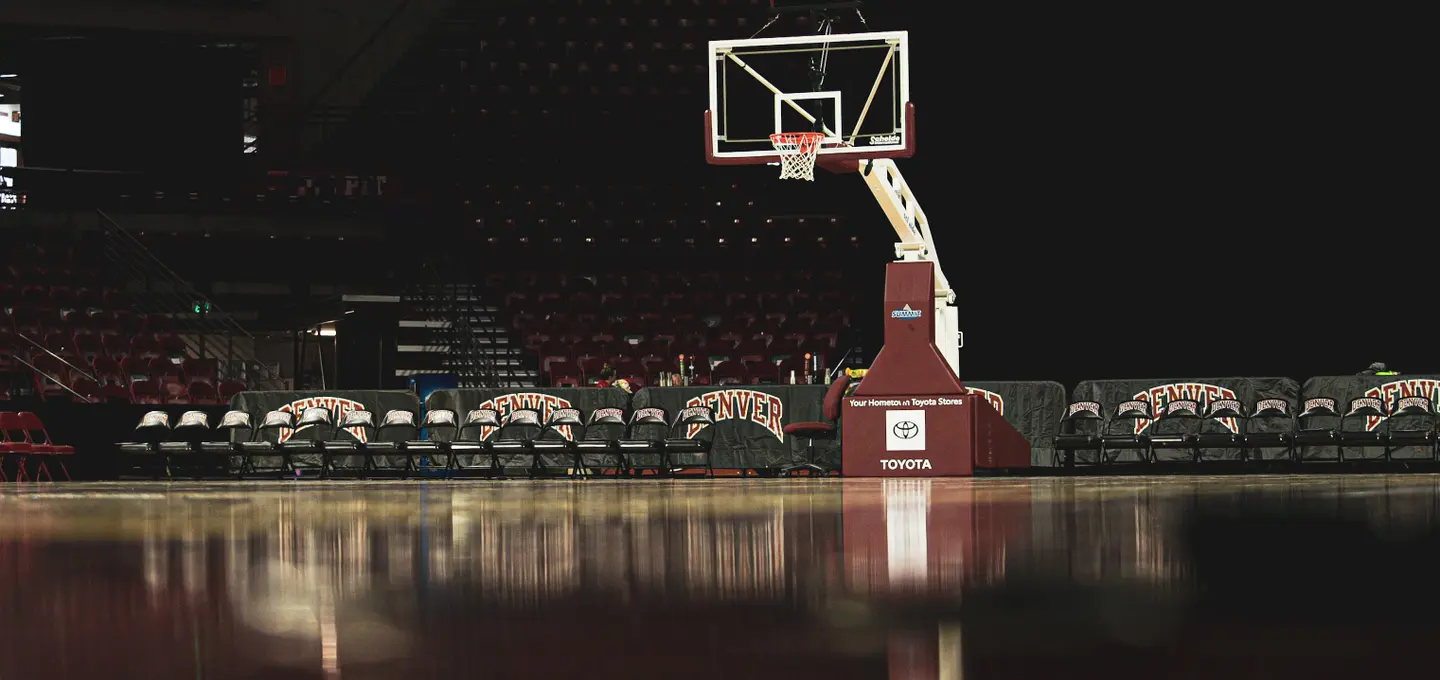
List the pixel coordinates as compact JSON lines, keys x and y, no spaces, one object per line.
{"x":34,"y":428}
{"x":521,"y":423}
{"x":1180,"y":408}
{"x":1279,"y":408}
{"x":651,"y":417}
{"x":1134,"y":409}
{"x":605,"y":423}
{"x":315,"y":416}
{"x":278,"y":420}
{"x":1083,"y":410}
{"x":439,"y":418}
{"x":154,"y":425}
{"x":834,"y":396}
{"x":1366,"y":407}
{"x":235,"y":420}
{"x":12,"y":428}
{"x":477,"y":421}
{"x":694,"y":419}
{"x":193,"y":423}
{"x":1407,"y":406}
{"x":350,"y":421}
{"x":1225,"y":408}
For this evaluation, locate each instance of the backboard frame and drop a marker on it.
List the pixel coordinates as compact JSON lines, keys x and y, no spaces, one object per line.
{"x":835,"y":156}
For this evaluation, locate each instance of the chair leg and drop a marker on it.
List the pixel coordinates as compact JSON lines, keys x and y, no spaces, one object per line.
{"x":63,"y":470}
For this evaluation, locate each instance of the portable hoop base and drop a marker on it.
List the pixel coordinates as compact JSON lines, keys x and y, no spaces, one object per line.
{"x":797,"y":153}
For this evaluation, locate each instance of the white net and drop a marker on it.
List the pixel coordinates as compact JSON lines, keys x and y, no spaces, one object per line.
{"x":797,"y":153}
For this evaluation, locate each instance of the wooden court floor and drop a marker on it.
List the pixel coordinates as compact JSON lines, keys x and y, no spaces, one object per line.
{"x":726,"y":578}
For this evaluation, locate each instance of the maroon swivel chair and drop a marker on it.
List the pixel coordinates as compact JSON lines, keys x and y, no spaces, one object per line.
{"x":824,"y":430}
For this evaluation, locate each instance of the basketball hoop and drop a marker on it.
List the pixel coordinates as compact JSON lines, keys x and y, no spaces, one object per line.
{"x":797,"y":153}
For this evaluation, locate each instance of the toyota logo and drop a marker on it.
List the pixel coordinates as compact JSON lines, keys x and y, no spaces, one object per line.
{"x":905,"y":429}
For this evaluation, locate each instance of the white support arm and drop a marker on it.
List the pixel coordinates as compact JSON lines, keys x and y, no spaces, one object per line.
{"x":883,"y":177}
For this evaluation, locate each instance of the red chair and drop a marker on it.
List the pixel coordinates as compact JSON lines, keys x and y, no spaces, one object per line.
{"x":135,"y":368}
{"x":114,"y":394}
{"x":117,"y":346}
{"x":564,"y":374}
{"x":145,"y":347}
{"x":172,"y":346}
{"x":590,"y":368}
{"x":174,"y":393}
{"x":145,"y":391}
{"x":729,"y":372}
{"x":203,"y":393}
{"x":665,"y":365}
{"x":552,"y":352}
{"x":165,"y":371}
{"x":51,"y":377}
{"x":230,"y":388}
{"x":89,"y":346}
{"x":825,"y":430}
{"x":42,"y":445}
{"x":108,"y":371}
{"x":632,"y":371}
{"x":782,"y":349}
{"x":752,"y":351}
{"x":87,"y":388}
{"x":762,"y":371}
{"x":158,"y":325}
{"x":14,"y":446}
{"x":199,"y":370}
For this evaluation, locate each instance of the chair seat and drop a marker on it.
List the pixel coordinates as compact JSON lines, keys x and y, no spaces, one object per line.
{"x":1362,"y":438}
{"x":1411,"y":437}
{"x":382,"y":446}
{"x":594,"y":445}
{"x":467,"y":447}
{"x":809,"y":428}
{"x":124,"y":448}
{"x":685,"y":445}
{"x":1216,"y":440}
{"x":349,"y":445}
{"x":1077,"y":441}
{"x":1172,"y":440}
{"x":217,"y":447}
{"x":175,"y":447}
{"x":257,"y":446}
{"x":1316,"y":437}
{"x":293,"y":445}
{"x":639,"y":445}
{"x":556,"y":445}
{"x":422,"y":445}
{"x":510,"y":445}
{"x":1125,"y":440}
{"x":1268,"y":439}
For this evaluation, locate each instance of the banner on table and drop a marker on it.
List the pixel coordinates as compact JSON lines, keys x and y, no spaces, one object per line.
{"x":749,"y":429}
{"x":379,"y":402}
{"x":1390,"y":389}
{"x":543,"y":399}
{"x":1110,"y":393}
{"x":1032,"y":408}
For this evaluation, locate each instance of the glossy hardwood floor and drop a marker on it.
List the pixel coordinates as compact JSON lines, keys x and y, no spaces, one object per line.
{"x":901,"y":579}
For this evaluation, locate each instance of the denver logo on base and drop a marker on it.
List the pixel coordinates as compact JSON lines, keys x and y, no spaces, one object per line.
{"x":765,"y":410}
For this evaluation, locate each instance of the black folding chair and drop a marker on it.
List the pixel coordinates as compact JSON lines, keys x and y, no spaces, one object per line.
{"x":144,"y":455}
{"x":1129,"y":414}
{"x":515,"y":438}
{"x":1216,"y":412}
{"x":1311,"y":433}
{"x":439,"y":428}
{"x":599,"y":447}
{"x":262,"y":454}
{"x":471,"y":447}
{"x":1175,"y":428}
{"x":237,"y":428}
{"x":1411,"y":425}
{"x":1085,"y":423}
{"x":182,"y":449}
{"x":1362,"y":409}
{"x":396,"y":428}
{"x":306,"y":445}
{"x":550,"y":446}
{"x":690,"y":452}
{"x":641,"y":452}
{"x":346,"y":454}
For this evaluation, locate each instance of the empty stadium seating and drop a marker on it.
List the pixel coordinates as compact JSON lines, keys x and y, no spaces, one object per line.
{"x":732,"y":328}
{"x":68,"y":332}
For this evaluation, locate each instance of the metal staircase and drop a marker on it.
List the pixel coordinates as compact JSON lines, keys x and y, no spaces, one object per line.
{"x":208,"y":331}
{"x":451,"y":330}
